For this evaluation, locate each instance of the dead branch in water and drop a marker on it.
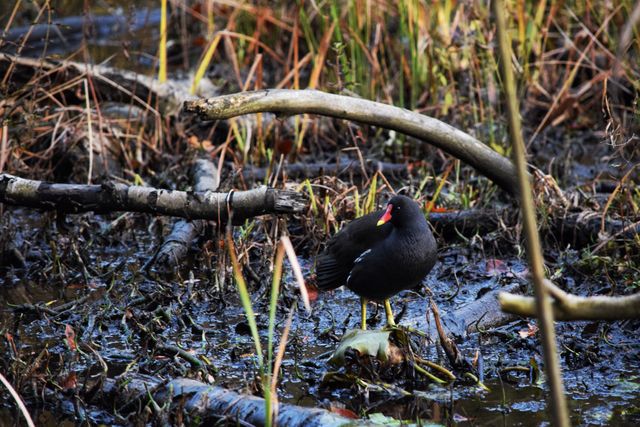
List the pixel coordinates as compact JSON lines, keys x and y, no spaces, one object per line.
{"x":481,"y":314}
{"x":66,"y":34}
{"x":111,"y":197}
{"x":450,"y":348}
{"x":573,"y":307}
{"x":206,"y":401}
{"x":176,"y":245}
{"x":578,"y":229}
{"x":312,"y":170}
{"x":455,"y":142}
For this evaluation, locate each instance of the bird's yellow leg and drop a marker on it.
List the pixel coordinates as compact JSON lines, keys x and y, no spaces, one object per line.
{"x":387,"y":308}
{"x":363,"y":310}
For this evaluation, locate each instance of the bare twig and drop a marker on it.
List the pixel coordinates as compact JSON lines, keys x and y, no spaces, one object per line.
{"x":278,"y":361}
{"x":297,"y":271}
{"x":450,"y":348}
{"x":634,"y":227}
{"x":128,"y":84}
{"x":312,"y":170}
{"x":172,"y":350}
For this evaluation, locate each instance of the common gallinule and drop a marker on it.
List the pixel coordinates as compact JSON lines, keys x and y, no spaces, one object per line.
{"x":379,"y":254}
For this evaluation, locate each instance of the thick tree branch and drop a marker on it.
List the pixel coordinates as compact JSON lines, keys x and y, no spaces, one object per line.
{"x":207,"y":401}
{"x":578,"y":229}
{"x":111,"y":197}
{"x":573,"y":307}
{"x":312,"y":170}
{"x":481,"y":314}
{"x":455,"y":142}
{"x":477,"y":316}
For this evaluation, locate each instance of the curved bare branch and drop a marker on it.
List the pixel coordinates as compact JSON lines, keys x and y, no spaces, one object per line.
{"x":439,"y":134}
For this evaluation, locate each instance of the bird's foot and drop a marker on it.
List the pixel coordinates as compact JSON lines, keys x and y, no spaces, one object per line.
{"x":387,"y":308}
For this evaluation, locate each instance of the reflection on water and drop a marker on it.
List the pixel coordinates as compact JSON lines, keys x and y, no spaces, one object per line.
{"x":122,"y":33}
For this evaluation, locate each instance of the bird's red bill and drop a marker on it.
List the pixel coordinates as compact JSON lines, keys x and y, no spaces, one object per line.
{"x":386,"y":217}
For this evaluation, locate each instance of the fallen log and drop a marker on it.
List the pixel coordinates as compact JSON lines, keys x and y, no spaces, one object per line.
{"x":66,"y":34}
{"x":454,"y":141}
{"x":201,"y":400}
{"x":312,"y":170}
{"x":581,"y":228}
{"x":477,"y":316}
{"x":112,"y":197}
{"x":578,"y":228}
{"x":481,"y":314}
{"x":176,"y":245}
{"x":471,"y":221}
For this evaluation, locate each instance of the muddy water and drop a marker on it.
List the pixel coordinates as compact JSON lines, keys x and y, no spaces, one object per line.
{"x":119,"y":33}
{"x":601,"y":363}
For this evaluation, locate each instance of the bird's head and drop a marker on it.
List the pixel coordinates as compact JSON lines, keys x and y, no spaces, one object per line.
{"x":400,"y":210}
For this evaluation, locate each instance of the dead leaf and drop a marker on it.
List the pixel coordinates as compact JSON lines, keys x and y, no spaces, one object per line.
{"x":70,"y":382}
{"x":529,"y":332}
{"x":495,"y":266}
{"x":70,"y":334}
{"x":193,"y":141}
{"x":312,"y":292}
{"x":347,"y":413}
{"x":431,"y":207}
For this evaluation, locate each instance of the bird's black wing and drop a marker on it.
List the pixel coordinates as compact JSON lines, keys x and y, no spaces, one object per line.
{"x":334,"y":264}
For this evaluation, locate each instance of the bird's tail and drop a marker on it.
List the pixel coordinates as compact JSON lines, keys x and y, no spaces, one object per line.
{"x":329,"y":275}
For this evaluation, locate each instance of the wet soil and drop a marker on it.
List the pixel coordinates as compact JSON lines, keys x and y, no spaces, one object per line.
{"x":124,"y":315}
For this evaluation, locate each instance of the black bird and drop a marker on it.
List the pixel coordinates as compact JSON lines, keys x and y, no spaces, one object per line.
{"x":379,"y":254}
